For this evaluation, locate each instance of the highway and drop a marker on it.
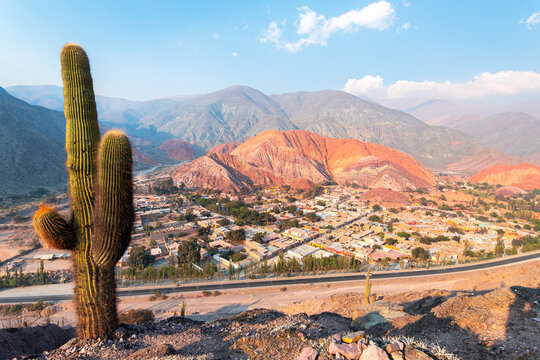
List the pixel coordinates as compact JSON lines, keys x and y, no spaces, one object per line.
{"x":224,"y":285}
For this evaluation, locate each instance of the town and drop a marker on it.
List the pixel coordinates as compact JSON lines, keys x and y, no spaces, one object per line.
{"x":278,"y":231}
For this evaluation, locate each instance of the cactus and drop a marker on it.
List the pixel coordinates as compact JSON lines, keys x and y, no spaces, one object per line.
{"x":367,"y":287}
{"x":101,"y":190}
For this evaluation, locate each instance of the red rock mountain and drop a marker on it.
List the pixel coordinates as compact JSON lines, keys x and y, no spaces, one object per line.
{"x":302,"y":159}
{"x":224,"y":148}
{"x":523,"y":176}
{"x":178,"y":149}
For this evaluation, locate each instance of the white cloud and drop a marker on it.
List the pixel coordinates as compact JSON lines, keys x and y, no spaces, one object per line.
{"x":316,"y":29}
{"x":406,"y":4}
{"x":406,"y":26}
{"x":216,"y":36}
{"x":245,"y":27}
{"x":234,"y":54}
{"x":532,"y":20}
{"x":502,"y":83}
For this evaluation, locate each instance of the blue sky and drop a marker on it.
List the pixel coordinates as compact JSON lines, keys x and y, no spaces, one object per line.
{"x":468,"y":50}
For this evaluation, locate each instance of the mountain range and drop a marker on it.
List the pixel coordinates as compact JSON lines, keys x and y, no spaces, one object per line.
{"x":302,"y":159}
{"x":170,"y":130}
{"x":239,"y":112}
{"x":31,"y":146}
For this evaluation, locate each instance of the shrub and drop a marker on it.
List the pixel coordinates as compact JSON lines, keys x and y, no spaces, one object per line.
{"x":157,"y":296}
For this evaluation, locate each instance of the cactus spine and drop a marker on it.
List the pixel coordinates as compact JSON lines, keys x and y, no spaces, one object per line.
{"x":101,"y":192}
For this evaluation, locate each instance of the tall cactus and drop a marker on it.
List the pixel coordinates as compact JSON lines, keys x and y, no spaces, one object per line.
{"x":101,"y":191}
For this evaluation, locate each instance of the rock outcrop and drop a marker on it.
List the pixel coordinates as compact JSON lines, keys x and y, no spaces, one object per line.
{"x":302,"y":159}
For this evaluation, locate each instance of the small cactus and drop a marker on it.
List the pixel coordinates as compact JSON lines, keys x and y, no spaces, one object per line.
{"x":367,"y":287}
{"x":101,"y":190}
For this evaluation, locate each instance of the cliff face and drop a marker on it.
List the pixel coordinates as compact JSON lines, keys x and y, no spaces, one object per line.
{"x":302,"y":159}
{"x":523,"y":176}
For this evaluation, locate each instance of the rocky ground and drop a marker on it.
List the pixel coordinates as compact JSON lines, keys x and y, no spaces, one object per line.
{"x":496,"y":324}
{"x":255,"y":334}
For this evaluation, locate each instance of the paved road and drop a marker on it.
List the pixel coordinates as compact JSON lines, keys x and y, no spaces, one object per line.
{"x":287,"y":281}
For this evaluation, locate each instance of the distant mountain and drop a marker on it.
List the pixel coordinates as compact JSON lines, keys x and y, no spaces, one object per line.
{"x":482,"y":158}
{"x":178,"y":150}
{"x":302,"y":159}
{"x":31,"y":146}
{"x":52,"y":97}
{"x":515,"y":133}
{"x":523,"y":176}
{"x":440,"y":112}
{"x":239,"y":112}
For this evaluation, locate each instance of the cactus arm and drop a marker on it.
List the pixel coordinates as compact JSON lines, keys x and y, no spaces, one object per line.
{"x":113,"y":214}
{"x":53,"y":228}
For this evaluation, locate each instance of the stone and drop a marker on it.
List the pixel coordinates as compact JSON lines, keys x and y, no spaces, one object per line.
{"x":154,"y":351}
{"x":397,"y":355}
{"x":373,"y":352}
{"x":352,"y":337}
{"x":412,"y":353}
{"x":349,"y":351}
{"x":337,"y":338}
{"x":308,"y":353}
{"x":390,"y":348}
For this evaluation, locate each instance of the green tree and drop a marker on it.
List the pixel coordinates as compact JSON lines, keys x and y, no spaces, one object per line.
{"x":189,"y":252}
{"x":224,"y":222}
{"x":420,"y":253}
{"x":139,"y":258}
{"x":259,"y":236}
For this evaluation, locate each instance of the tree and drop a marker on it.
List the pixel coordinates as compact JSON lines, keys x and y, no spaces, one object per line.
{"x":420,"y":253}
{"x":152,"y":243}
{"x":374,"y":218}
{"x":499,"y":248}
{"x":224,"y":222}
{"x":237,"y":235}
{"x":258,"y":237}
{"x":291,"y":209}
{"x":203,"y":232}
{"x":376,"y":207}
{"x":312,"y":217}
{"x":139,"y":258}
{"x":404,"y":235}
{"x":189,"y":252}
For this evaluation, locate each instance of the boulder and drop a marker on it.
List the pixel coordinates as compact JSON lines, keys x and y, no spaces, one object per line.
{"x":373,"y":352}
{"x":308,"y":353}
{"x":367,"y":316}
{"x":412,"y":353}
{"x":349,"y":351}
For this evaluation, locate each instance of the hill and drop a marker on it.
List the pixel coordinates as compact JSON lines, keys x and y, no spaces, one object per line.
{"x":302,"y":159}
{"x":523,"y":176}
{"x":31,"y":146}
